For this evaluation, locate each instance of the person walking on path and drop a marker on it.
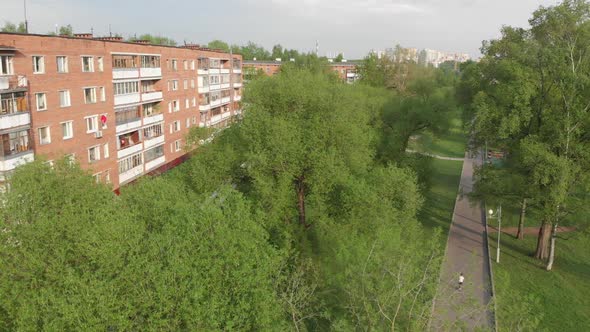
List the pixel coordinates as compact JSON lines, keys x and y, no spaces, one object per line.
{"x":461,"y":280}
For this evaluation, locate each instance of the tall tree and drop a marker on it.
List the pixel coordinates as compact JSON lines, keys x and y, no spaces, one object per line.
{"x":219,"y":44}
{"x":11,"y":27}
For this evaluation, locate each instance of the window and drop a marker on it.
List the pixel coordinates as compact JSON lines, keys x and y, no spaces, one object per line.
{"x":6,"y":65}
{"x":14,"y":143}
{"x":185,"y":64}
{"x":192,"y":64}
{"x":174,"y":126}
{"x":174,"y":65}
{"x":67,"y":130}
{"x":105,"y":148}
{"x":126,"y":88}
{"x":103,"y":96}
{"x":62,"y":64}
{"x":100,"y":63}
{"x":90,"y":95}
{"x":41,"y":101}
{"x":87,"y":64}
{"x":194,"y":120}
{"x":44,"y":135}
{"x":127,"y":114}
{"x":107,"y":176}
{"x":38,"y":64}
{"x":153,"y":131}
{"x":130,"y":163}
{"x":192,"y":84}
{"x":71,"y":158}
{"x":64,"y":98}
{"x":176,"y":105}
{"x":185,"y":84}
{"x":91,"y":124}
{"x":96,"y":178}
{"x":194,"y":101}
{"x":148,"y":86}
{"x":94,"y":154}
{"x":174,"y":85}
{"x":154,"y":153}
{"x":177,"y":146}
{"x":129,"y":139}
{"x":188,"y":122}
{"x":186,"y":103}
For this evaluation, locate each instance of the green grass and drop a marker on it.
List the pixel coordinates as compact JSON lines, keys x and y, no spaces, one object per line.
{"x":451,"y":144}
{"x":563,"y":294}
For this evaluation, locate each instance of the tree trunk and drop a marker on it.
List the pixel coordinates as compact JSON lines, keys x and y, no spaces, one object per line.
{"x":520,"y":234}
{"x":552,"y":250}
{"x":543,"y":241}
{"x":300,"y":188}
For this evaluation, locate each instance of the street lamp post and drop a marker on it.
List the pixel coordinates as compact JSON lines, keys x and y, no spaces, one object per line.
{"x":499,"y":216}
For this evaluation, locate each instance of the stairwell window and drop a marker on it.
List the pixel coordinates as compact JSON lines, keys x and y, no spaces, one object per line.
{"x":62,"y":64}
{"x":87,"y":64}
{"x":38,"y":64}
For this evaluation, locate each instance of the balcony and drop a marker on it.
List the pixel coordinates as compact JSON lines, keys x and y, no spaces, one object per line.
{"x":205,"y":107}
{"x":125,"y":73}
{"x":237,"y":70}
{"x":126,"y":99}
{"x":204,"y":89}
{"x":153,"y":119}
{"x":150,"y":165}
{"x":214,"y":71}
{"x":225,"y":100}
{"x":13,"y":83}
{"x":129,"y":150}
{"x":150,"y":72}
{"x":237,"y":98}
{"x":128,"y":118}
{"x":8,"y":163}
{"x":237,"y":84}
{"x":213,"y":87}
{"x":148,"y":143}
{"x":224,"y":71}
{"x":224,"y":86}
{"x":216,"y":103}
{"x":131,"y":174}
{"x":151,"y":96}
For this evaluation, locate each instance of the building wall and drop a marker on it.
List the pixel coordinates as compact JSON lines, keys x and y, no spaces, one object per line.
{"x":75,"y":80}
{"x":346,"y":71}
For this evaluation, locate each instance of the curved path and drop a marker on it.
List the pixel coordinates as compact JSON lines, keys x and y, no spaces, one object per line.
{"x":466,"y":252}
{"x":434,"y":155}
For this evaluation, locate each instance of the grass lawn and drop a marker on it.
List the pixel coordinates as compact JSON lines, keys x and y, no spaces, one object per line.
{"x":451,"y":144}
{"x":563,"y":294}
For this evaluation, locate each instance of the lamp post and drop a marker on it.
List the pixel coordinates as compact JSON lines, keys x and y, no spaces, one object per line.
{"x":499,"y":216}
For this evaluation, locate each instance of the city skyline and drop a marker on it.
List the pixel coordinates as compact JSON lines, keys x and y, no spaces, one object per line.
{"x":351,"y":27}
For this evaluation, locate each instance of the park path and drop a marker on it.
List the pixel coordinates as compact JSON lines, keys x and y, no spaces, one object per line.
{"x":435,"y":156}
{"x":466,"y":252}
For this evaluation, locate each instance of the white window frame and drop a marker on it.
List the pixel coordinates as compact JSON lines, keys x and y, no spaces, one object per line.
{"x":91,"y":121}
{"x":8,"y":59}
{"x":192,"y":64}
{"x":185,"y":84}
{"x":97,"y":154}
{"x":90,"y":64}
{"x":174,"y":85}
{"x":44,"y":108}
{"x":48,"y":141}
{"x":92,"y":95}
{"x":70,"y":130}
{"x":102,"y":93}
{"x":67,"y":99}
{"x":100,"y":63}
{"x":176,"y":105}
{"x":105,"y":148}
{"x":64,"y":64}
{"x":38,"y":64}
{"x":185,"y":64}
{"x":186,"y":103}
{"x":177,"y":145}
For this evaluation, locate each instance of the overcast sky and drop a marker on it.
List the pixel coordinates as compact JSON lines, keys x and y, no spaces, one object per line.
{"x":353,"y":27}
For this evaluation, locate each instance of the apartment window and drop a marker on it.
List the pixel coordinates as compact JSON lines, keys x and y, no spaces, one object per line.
{"x":185,"y":64}
{"x":124,"y":61}
{"x":194,"y":101}
{"x":192,"y":64}
{"x":90,"y":95}
{"x":107,"y":176}
{"x":44,"y":135}
{"x":92,"y":124}
{"x":96,"y":178}
{"x":14,"y":143}
{"x":185,"y":84}
{"x":186,"y":103}
{"x":126,"y":88}
{"x":130,"y":163}
{"x":129,"y":139}
{"x":64,"y":98}
{"x":177,"y":146}
{"x":153,"y":131}
{"x":38,"y":64}
{"x":41,"y":99}
{"x":176,"y":105}
{"x":62,"y":64}
{"x":151,"y":109}
{"x":154,"y":153}
{"x":203,"y":63}
{"x":87,"y":64}
{"x":148,"y":86}
{"x":192,"y":84}
{"x":174,"y":65}
{"x":127,"y":114}
{"x":67,"y":130}
{"x":174,"y":126}
{"x":100,"y":62}
{"x":174,"y":85}
{"x":6,"y":65}
{"x":214,"y":63}
{"x":194,"y":120}
{"x":102,"y":93}
{"x":105,"y":149}
{"x":94,"y":154}
{"x":188,"y":122}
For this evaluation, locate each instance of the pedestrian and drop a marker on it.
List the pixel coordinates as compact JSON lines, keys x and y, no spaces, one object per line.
{"x":461,"y":280}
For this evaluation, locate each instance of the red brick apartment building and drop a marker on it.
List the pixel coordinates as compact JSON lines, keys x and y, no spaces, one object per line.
{"x":347,"y":71}
{"x":120,"y":109}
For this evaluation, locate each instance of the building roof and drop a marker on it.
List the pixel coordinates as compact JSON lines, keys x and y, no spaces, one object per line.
{"x":278,"y":63}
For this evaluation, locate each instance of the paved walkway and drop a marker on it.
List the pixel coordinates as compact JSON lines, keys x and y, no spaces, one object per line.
{"x":466,"y":252}
{"x":434,"y":155}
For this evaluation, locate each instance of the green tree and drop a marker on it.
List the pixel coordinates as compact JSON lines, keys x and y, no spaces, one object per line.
{"x":11,"y":27}
{"x":155,"y":39}
{"x":219,"y":45}
{"x":339,"y":58}
{"x":277,"y":52}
